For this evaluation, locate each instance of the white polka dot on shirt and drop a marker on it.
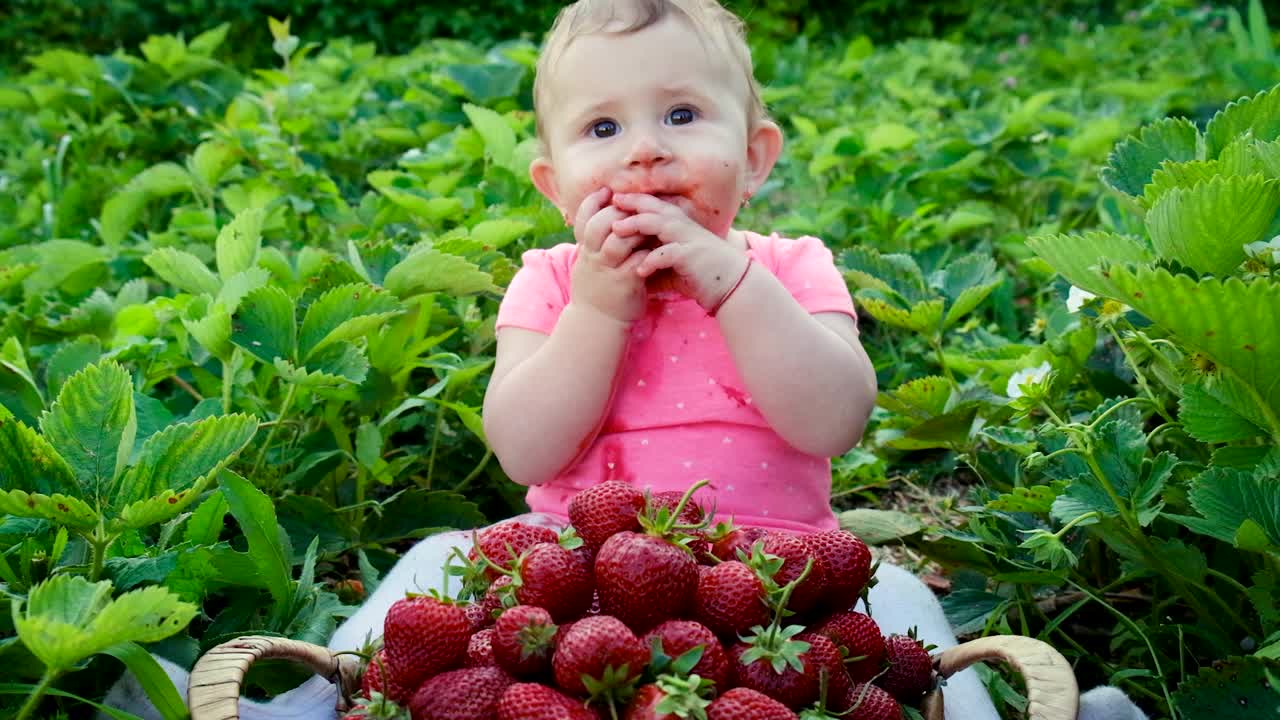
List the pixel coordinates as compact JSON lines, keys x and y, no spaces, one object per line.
{"x":644,"y":441}
{"x":688,"y":464}
{"x":727,"y":440}
{"x":711,"y":381}
{"x":764,"y":466}
{"x":702,"y":335}
{"x":640,"y":383}
{"x":675,"y":358}
{"x":729,"y":488}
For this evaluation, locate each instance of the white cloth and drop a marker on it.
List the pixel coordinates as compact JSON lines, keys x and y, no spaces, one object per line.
{"x":899,"y":601}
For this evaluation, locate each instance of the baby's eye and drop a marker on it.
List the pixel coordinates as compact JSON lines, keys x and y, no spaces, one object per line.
{"x":604,"y":128}
{"x":680,"y":116}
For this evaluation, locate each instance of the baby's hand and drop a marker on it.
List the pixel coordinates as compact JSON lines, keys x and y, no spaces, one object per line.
{"x":706,"y":264}
{"x":604,"y":276}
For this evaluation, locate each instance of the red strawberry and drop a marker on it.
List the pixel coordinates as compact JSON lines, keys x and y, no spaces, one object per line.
{"x":857,"y":635}
{"x":795,"y":555}
{"x":601,"y":649}
{"x":680,"y":636}
{"x":847,"y":562}
{"x":774,"y":665}
{"x":498,"y":597}
{"x":823,"y":659}
{"x":524,"y":640}
{"x":669,"y":698}
{"x":602,"y":510}
{"x":746,"y":704}
{"x":554,"y":579}
{"x":503,"y":543}
{"x":376,"y":707}
{"x":910,"y":672}
{"x":374,"y":672}
{"x":478,"y":616}
{"x":730,"y":599}
{"x":531,"y":701}
{"x":644,"y":579}
{"x":422,"y":637}
{"x":466,"y":694}
{"x":726,"y":540}
{"x":869,"y":702}
{"x":480,"y":649}
{"x":692,"y":514}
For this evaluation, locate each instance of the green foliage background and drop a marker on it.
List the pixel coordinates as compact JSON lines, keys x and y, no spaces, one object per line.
{"x":298,"y":233}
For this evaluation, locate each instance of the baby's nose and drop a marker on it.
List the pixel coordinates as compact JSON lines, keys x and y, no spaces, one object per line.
{"x":647,"y":150}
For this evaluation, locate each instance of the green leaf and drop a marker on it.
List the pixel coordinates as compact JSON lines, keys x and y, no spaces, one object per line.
{"x":499,"y":138}
{"x":336,"y":365}
{"x":211,"y":160}
{"x":1207,"y":226}
{"x":67,"y":619}
{"x":1231,"y":322}
{"x":182,"y":457}
{"x":92,"y":425}
{"x":409,"y":192}
{"x":25,"y":689}
{"x":877,"y":527}
{"x":1258,"y":115}
{"x":268,"y":544}
{"x":152,"y":678}
{"x":967,"y":610}
{"x":205,"y":525}
{"x":264,"y":324}
{"x":123,"y":210}
{"x":417,"y":513}
{"x":239,"y":241}
{"x":1236,"y":687}
{"x":210,"y":324}
{"x":1227,"y":498}
{"x":922,"y":398}
{"x":923,"y":317}
{"x":18,"y":389}
{"x":497,"y":234}
{"x":61,"y":509}
{"x":12,"y":275}
{"x":433,"y":271}
{"x":890,"y":137}
{"x":344,"y":313}
{"x":71,"y":358}
{"x":183,"y":270}
{"x":1209,"y":420}
{"x":1133,"y":160}
{"x":1077,"y":257}
{"x":1034,"y":499}
{"x":899,"y":274}
{"x":242,"y":283}
{"x":969,"y":299}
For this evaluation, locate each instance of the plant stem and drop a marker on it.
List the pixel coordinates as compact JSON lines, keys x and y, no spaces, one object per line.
{"x":284,"y":409}
{"x":1141,"y":377}
{"x":484,"y":461}
{"x":228,"y":378}
{"x":936,"y":342}
{"x":33,"y":701}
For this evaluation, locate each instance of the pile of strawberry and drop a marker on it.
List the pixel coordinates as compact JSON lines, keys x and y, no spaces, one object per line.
{"x":642,"y":611}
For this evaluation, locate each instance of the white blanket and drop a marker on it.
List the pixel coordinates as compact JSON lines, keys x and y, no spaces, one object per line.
{"x":898,"y":602}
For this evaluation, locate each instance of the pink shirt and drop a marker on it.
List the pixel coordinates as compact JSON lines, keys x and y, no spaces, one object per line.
{"x":681,"y":412}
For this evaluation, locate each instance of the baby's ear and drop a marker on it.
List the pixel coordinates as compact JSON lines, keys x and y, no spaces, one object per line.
{"x":764,"y":145}
{"x":543,"y":174}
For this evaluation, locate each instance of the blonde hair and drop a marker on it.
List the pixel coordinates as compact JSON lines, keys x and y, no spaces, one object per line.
{"x":708,"y":19}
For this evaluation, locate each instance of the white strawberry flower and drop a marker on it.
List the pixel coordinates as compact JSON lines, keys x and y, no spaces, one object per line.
{"x":1267,"y":251}
{"x":1076,"y":298}
{"x":1027,"y":379}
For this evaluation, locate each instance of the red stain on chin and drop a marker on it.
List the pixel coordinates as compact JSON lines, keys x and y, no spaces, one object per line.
{"x":736,"y":395}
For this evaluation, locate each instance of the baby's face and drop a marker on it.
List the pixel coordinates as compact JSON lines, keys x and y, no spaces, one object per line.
{"x":657,"y":111}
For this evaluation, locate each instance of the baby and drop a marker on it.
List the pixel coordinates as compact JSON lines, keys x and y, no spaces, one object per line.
{"x":666,"y":346}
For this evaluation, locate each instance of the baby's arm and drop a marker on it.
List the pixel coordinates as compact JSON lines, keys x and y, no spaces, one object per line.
{"x":808,"y":374}
{"x":548,"y":393}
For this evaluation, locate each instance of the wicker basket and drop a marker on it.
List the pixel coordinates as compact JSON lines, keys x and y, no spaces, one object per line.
{"x":214,"y":688}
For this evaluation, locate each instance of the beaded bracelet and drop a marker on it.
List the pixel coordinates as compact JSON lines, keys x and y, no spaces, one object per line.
{"x":716,"y":308}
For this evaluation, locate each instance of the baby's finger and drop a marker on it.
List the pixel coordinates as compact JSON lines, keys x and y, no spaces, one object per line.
{"x":591,"y":205}
{"x":616,"y":249}
{"x":667,"y":256}
{"x":595,"y":231}
{"x":646,"y":224}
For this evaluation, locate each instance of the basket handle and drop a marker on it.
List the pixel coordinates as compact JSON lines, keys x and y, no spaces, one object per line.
{"x":213,"y":691}
{"x":1052,"y":692}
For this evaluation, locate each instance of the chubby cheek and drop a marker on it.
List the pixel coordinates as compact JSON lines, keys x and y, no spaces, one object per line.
{"x":715,"y":193}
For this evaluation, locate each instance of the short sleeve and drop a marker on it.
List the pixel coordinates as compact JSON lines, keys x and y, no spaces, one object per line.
{"x":807,"y":269}
{"x":538,"y":293}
